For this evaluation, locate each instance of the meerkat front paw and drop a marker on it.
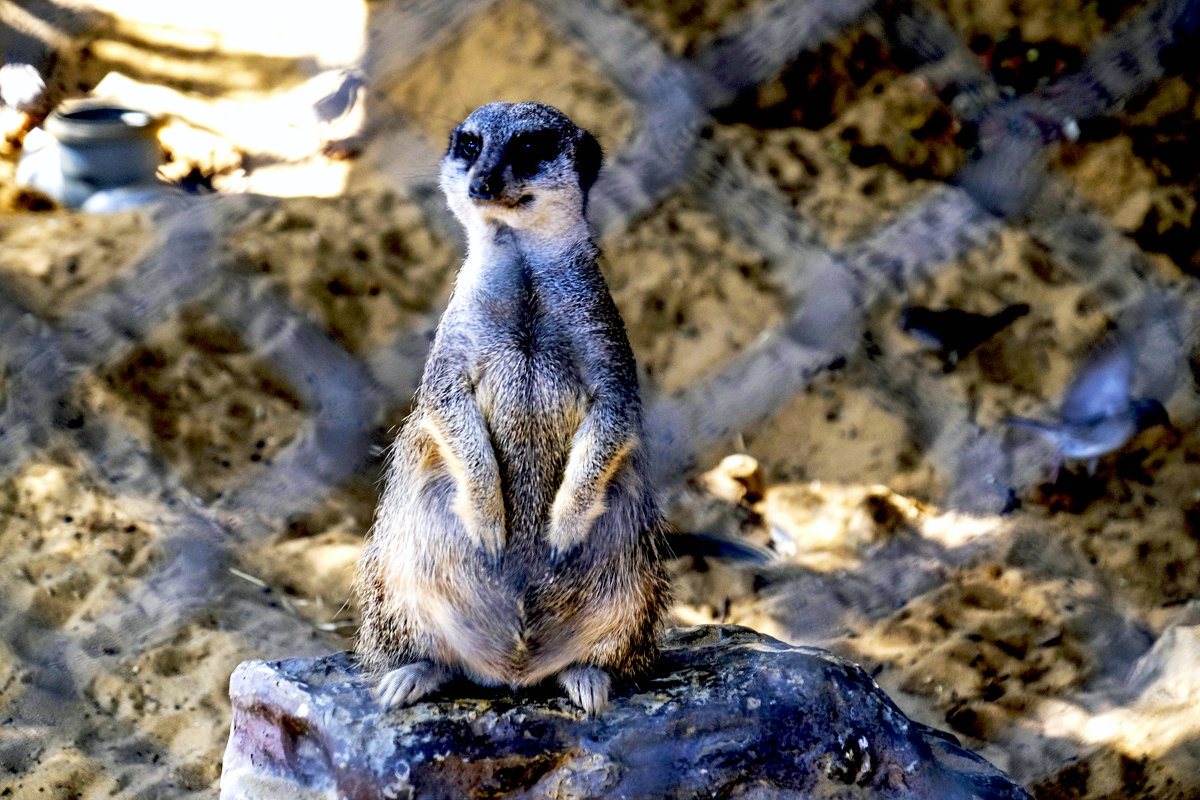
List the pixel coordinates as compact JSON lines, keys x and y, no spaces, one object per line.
{"x":587,"y":687}
{"x":491,"y":537}
{"x":484,"y":524}
{"x":569,"y":526}
{"x":564,"y":537}
{"x":406,"y":685}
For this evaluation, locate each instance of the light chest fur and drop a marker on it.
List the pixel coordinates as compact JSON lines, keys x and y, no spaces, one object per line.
{"x":527,"y":370}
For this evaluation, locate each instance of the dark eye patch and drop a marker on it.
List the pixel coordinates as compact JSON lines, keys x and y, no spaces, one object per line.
{"x":527,"y":151}
{"x":467,"y":147}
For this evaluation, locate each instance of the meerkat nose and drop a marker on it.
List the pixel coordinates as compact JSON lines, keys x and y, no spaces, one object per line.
{"x":485,"y":187}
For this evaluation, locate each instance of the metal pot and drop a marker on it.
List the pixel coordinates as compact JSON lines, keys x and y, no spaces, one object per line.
{"x":106,"y":145}
{"x":88,"y":148}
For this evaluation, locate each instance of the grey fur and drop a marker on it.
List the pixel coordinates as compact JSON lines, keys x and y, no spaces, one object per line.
{"x":518,"y":536}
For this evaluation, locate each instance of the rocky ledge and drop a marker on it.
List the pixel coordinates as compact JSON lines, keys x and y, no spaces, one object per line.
{"x":730,"y":713}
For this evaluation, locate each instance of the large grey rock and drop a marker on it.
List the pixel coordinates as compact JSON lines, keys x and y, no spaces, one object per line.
{"x":729,"y":713}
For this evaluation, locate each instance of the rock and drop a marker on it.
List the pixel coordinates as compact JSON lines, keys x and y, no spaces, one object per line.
{"x":737,"y":478}
{"x":729,"y":713}
{"x":822,"y":518}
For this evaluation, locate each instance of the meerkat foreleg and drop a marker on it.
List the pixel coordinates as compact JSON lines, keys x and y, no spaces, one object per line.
{"x":599,"y":451}
{"x":457,"y":426}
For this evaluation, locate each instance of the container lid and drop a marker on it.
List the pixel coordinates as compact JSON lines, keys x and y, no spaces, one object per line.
{"x":95,"y":122}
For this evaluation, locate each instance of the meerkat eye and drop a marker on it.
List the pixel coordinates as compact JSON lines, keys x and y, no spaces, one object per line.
{"x":529,"y":150}
{"x":467,"y":147}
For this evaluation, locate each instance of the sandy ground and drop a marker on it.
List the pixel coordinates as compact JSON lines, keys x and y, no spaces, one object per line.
{"x":1060,"y":640}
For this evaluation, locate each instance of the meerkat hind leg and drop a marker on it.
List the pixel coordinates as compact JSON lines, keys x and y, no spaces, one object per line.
{"x":406,"y":685}
{"x":587,"y":686}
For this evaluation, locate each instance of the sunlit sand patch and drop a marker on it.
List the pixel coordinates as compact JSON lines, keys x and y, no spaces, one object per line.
{"x":509,"y":52}
{"x":268,"y":27}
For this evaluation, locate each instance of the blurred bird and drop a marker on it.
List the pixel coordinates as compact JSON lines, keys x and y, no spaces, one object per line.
{"x":1005,"y":170}
{"x":1098,"y":413}
{"x":338,"y":102}
{"x":953,"y":333}
{"x":337,"y":114}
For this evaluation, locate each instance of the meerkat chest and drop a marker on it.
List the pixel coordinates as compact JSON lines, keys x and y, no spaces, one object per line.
{"x":529,"y":377}
{"x":528,"y":373}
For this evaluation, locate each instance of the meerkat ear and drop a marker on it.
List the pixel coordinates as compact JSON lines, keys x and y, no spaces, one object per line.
{"x":587,"y":160}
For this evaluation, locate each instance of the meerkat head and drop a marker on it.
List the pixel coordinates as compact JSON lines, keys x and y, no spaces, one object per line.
{"x":522,"y":165}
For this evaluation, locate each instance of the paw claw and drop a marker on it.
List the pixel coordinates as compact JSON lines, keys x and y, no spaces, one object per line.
{"x":491,"y":541}
{"x":406,"y":685}
{"x":586,"y":686}
{"x":565,"y":536}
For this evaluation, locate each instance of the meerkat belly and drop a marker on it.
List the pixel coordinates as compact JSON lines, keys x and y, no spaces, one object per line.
{"x":533,"y":413}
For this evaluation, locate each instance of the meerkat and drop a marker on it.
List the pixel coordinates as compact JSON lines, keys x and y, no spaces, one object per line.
{"x":518,"y":536}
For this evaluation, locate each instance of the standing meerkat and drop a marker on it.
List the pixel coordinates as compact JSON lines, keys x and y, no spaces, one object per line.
{"x":518,"y":536}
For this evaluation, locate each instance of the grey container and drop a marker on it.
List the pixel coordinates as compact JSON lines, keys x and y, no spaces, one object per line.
{"x":106,"y":145}
{"x":90,"y":148}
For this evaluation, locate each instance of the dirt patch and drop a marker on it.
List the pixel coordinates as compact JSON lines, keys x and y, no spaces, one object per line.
{"x":1140,"y":169}
{"x":1074,"y":24}
{"x":55,"y":260}
{"x":848,"y":141}
{"x":364,"y":266}
{"x":512,"y":54}
{"x":194,"y":394}
{"x":690,"y":294}
{"x":685,"y":26}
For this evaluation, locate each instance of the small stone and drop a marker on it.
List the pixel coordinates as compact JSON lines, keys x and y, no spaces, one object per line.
{"x":827,"y":520}
{"x":737,"y":478}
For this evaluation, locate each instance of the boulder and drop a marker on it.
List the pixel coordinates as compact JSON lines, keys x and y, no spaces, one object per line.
{"x":728,"y":713}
